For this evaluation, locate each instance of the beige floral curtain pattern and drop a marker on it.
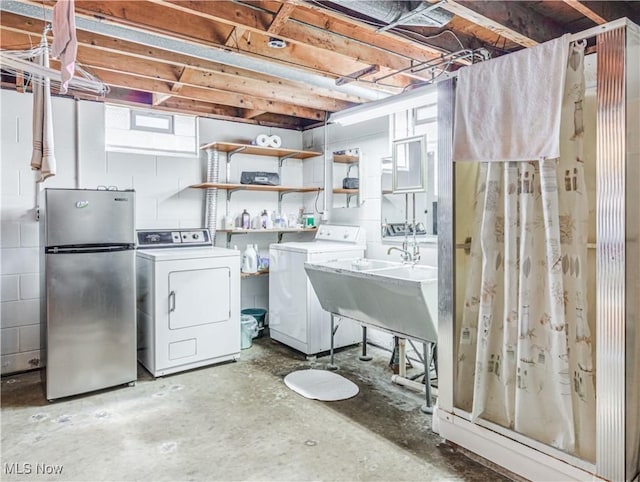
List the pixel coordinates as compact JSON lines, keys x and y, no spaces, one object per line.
{"x":524,"y":354}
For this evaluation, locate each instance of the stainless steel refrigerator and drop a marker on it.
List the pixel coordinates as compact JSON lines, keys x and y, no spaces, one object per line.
{"x":89,"y":310}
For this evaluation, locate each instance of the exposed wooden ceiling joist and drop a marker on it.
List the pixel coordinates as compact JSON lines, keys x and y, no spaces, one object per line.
{"x":511,"y":20}
{"x":212,"y":58}
{"x":284,"y":13}
{"x":602,"y":12}
{"x":304,"y":36}
{"x":228,"y":77}
{"x":126,"y":80}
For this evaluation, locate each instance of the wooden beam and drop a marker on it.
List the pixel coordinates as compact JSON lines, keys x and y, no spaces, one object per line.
{"x":250,"y":114}
{"x":285,"y":11}
{"x":152,"y":85}
{"x":511,"y":20}
{"x":160,"y":99}
{"x":232,"y":13}
{"x":603,"y":12}
{"x":339,"y":23}
{"x":20,"y":82}
{"x":172,"y":18}
{"x":144,"y":14}
{"x":103,"y":50}
{"x":182,"y":78}
{"x":586,"y":11}
{"x":203,"y":109}
{"x":124,"y":96}
{"x":316,"y":60}
{"x":232,"y":39}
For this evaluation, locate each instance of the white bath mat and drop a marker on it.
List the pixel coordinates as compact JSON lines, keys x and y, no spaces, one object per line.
{"x":321,"y":385}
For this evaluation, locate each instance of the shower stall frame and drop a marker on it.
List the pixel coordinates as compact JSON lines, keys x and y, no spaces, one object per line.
{"x":617,"y":283}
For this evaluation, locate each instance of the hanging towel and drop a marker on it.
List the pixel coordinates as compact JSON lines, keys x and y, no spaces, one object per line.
{"x":65,"y":43}
{"x":508,"y":109}
{"x":43,"y":159}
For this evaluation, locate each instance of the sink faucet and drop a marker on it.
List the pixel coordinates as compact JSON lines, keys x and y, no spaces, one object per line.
{"x":406,"y":254}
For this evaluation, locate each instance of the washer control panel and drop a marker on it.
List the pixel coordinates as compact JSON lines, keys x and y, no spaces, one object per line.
{"x":341,"y":234}
{"x":173,"y":238}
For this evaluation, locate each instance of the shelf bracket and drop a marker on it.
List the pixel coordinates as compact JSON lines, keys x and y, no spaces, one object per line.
{"x":281,"y":195}
{"x":230,"y":192}
{"x":235,"y":151}
{"x":284,"y":158}
{"x":349,"y":196}
{"x":280,"y":237}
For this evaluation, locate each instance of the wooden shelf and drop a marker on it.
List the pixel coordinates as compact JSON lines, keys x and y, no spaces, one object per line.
{"x":265,"y":231}
{"x":345,"y":159}
{"x":260,"y":151}
{"x":253,"y":187}
{"x":340,"y":190}
{"x":253,"y":275}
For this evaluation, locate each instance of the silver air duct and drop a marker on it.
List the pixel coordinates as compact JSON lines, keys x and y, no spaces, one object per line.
{"x":211,"y":199}
{"x":398,"y":12}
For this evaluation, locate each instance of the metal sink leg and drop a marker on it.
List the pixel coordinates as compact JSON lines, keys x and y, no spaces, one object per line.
{"x":331,"y":365}
{"x":364,"y":356}
{"x":427,"y":355}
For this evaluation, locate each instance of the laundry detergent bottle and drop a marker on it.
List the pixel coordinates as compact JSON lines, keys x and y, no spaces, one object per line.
{"x":250,"y":259}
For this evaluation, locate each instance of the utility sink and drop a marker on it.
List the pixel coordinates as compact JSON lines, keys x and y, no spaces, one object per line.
{"x":362,"y":264}
{"x":395,"y":297}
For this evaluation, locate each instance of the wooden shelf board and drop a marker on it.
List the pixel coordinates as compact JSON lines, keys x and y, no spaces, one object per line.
{"x":261,"y":231}
{"x":253,"y":187}
{"x":261,"y":151}
{"x":252,"y":275}
{"x":340,"y":190}
{"x":344,"y":159}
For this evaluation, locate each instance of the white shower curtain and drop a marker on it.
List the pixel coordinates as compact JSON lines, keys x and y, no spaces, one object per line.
{"x":524,"y":354}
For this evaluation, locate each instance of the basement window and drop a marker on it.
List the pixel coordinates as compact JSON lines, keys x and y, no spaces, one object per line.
{"x":145,"y":132}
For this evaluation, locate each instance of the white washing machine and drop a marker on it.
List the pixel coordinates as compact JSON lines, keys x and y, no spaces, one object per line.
{"x":296,"y":318}
{"x":188,"y":301}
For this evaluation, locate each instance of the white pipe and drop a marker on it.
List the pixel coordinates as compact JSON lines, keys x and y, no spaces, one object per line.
{"x":76,"y":146}
{"x":407,"y":383}
{"x":328,"y":177}
{"x":402,"y":357}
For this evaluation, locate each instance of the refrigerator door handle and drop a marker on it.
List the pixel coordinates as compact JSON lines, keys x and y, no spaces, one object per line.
{"x":172,"y":301}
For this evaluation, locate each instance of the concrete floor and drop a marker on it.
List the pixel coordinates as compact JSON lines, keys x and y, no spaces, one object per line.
{"x":236,"y":421}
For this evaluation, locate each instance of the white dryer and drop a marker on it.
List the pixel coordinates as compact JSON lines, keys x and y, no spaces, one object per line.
{"x":296,"y":318}
{"x":188,"y":301}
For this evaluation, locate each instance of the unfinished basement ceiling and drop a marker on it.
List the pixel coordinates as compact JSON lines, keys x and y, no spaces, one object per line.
{"x":214,"y":58}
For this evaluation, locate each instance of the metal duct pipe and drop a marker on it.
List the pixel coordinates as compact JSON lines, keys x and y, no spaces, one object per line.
{"x":211,"y":199}
{"x":397,"y":12}
{"x":226,"y":57}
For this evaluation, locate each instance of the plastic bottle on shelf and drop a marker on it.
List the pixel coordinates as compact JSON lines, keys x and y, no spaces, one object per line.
{"x":250,"y":259}
{"x":264,"y":220}
{"x":245,"y":220}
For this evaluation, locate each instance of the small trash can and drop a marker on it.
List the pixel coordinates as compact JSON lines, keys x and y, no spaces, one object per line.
{"x":248,"y":331}
{"x":259,"y":314}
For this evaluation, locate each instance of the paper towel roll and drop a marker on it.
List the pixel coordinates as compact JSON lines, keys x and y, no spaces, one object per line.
{"x":263,"y":140}
{"x":275,"y":141}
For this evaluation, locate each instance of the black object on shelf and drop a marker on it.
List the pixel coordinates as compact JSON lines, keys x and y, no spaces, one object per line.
{"x":351,"y":183}
{"x":260,"y":178}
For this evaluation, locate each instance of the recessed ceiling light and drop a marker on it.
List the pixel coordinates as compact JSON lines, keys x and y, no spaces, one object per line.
{"x":276,"y":43}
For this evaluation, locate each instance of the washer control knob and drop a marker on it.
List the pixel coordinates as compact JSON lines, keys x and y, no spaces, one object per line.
{"x":346,"y":236}
{"x":195,"y":236}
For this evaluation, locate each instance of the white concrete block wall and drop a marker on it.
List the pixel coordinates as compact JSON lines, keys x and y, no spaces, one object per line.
{"x":19,"y":233}
{"x":163,"y":200}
